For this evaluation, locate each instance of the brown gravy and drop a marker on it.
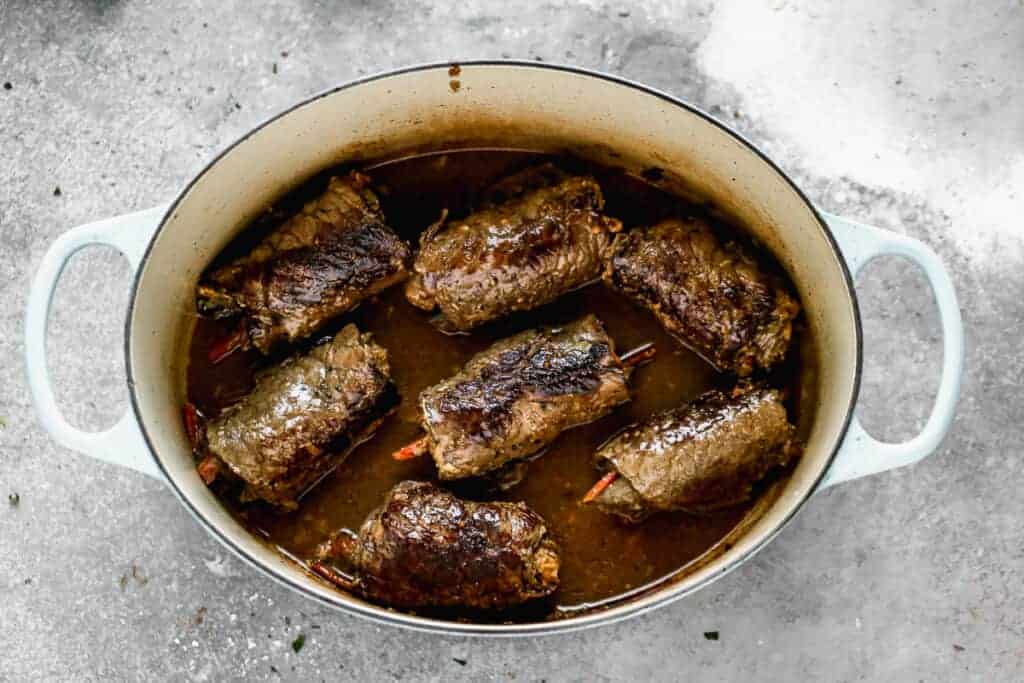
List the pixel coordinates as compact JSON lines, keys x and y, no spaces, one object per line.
{"x":601,"y":558}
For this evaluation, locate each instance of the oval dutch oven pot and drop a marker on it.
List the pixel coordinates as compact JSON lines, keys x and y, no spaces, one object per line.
{"x":499,"y":104}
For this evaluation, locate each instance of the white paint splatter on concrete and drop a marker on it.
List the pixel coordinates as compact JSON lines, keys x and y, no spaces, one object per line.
{"x":848,"y":92}
{"x":221,"y":566}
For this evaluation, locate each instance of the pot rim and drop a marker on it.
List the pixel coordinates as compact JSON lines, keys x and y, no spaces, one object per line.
{"x":655,"y":597}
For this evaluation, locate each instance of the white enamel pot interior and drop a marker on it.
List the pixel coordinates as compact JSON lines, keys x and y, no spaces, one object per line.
{"x":508,"y":105}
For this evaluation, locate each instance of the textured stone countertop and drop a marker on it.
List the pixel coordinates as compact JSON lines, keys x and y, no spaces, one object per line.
{"x":910,"y":118}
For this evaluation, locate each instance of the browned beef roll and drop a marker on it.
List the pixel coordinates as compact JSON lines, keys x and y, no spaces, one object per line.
{"x":323,"y":262}
{"x":425,"y":547}
{"x":513,"y":399}
{"x":538,"y":236}
{"x":711,"y":296}
{"x":303,"y":417}
{"x":698,"y":457}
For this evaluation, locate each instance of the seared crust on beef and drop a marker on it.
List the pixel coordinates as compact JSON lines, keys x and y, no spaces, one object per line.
{"x":698,"y":457}
{"x":514,"y":398}
{"x":304,"y":416}
{"x":546,"y":236}
{"x":711,"y":296}
{"x":425,"y":547}
{"x":323,"y":262}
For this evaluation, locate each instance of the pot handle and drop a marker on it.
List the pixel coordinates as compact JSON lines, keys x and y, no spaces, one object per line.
{"x":123,"y":443}
{"x":860,"y":454}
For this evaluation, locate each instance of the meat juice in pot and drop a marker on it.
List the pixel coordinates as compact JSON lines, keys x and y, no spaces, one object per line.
{"x":603,"y":559}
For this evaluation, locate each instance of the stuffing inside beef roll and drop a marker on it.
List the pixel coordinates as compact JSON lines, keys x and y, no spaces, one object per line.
{"x":704,"y":455}
{"x":515,"y":398}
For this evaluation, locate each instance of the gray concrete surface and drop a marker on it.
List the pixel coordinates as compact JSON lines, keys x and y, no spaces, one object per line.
{"x":907,"y":115}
